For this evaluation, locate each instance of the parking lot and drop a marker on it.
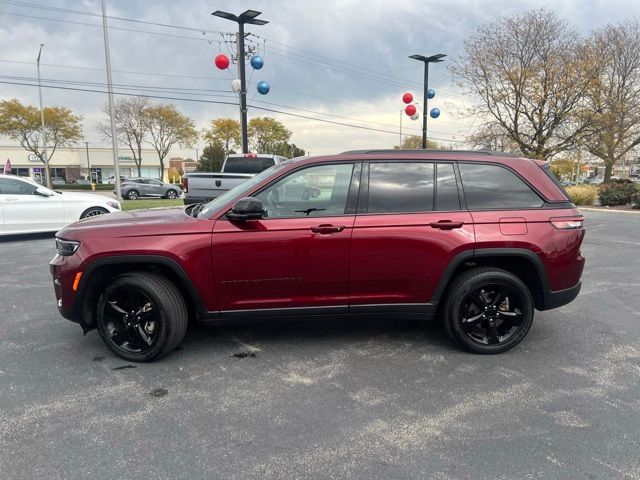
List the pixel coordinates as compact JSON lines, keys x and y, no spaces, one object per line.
{"x":329,"y":398}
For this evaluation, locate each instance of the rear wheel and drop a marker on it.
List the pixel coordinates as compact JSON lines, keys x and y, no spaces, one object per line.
{"x":133,"y":195}
{"x":488,"y":310}
{"x":141,"y":316}
{"x":172,"y":194}
{"x":93,"y":212}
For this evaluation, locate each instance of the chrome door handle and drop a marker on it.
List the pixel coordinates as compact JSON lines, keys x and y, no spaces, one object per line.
{"x":327,"y":229}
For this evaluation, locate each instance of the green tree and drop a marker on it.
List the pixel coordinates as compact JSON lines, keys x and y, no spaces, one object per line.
{"x":614,"y":93}
{"x":289,"y":150}
{"x":22,"y":123}
{"x":168,"y":127}
{"x":563,"y":167}
{"x":266,"y":135}
{"x":225,"y":130}
{"x":530,"y":74}
{"x":131,"y":117}
{"x":212,"y":158}
{"x":414,"y":142}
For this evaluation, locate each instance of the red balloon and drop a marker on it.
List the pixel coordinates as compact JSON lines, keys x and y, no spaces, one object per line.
{"x":407,"y":98}
{"x":222,"y":61}
{"x":410,"y":110}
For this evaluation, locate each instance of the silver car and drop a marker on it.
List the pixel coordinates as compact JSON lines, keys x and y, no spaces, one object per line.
{"x":134,"y":188}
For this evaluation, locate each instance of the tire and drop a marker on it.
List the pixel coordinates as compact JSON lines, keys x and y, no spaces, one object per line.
{"x":167,"y":314}
{"x":93,"y":212}
{"x":477,"y":319}
{"x":171,"y":194}
{"x":133,"y":195}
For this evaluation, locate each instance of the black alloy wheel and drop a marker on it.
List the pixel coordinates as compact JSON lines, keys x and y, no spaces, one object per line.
{"x":172,"y":194}
{"x":133,"y":195}
{"x":488,"y":310}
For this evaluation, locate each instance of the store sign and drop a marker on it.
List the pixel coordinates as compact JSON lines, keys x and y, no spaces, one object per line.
{"x":123,"y":159}
{"x":33,"y":158}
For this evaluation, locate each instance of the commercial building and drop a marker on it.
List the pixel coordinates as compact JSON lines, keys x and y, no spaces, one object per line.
{"x":75,"y":163}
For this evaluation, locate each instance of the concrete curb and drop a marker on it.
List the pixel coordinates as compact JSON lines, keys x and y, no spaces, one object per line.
{"x":609,"y":210}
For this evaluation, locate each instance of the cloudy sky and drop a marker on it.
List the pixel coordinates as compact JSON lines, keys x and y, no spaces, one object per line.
{"x":342,"y":61}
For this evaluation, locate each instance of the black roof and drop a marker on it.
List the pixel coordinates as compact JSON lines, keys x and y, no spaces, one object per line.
{"x":466,"y":152}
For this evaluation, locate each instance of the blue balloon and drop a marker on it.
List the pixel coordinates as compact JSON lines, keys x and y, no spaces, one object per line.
{"x":431,"y":93}
{"x":435,"y":112}
{"x":263,"y":87}
{"x":257,"y":62}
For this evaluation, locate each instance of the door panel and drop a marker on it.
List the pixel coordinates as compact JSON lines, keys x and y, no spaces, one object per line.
{"x":32,"y":212}
{"x":400,"y":258}
{"x":282,"y":262}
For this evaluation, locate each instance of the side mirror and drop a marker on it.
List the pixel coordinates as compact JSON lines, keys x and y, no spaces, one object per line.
{"x":247,"y":208}
{"x":42,"y":192}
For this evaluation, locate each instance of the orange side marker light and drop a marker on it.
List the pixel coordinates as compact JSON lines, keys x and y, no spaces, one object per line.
{"x":76,"y":281}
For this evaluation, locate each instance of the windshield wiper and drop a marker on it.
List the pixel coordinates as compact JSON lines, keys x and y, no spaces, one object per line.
{"x":309,"y":210}
{"x":195,"y":210}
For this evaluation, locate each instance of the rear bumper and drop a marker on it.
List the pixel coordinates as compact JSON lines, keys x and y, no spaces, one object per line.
{"x":558,"y":298}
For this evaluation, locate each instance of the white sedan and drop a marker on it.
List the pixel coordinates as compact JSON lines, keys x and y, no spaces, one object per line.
{"x":28,"y":207}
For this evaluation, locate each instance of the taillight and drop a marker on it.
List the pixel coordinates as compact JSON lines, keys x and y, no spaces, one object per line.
{"x":250,"y":155}
{"x":567,"y":223}
{"x":185,"y":184}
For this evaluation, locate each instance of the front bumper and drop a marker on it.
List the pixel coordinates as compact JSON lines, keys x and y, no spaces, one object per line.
{"x":558,"y":298}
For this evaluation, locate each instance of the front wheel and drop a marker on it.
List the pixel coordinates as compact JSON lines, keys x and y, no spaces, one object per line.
{"x":141,"y":316}
{"x":488,"y":310}
{"x":171,"y":194}
{"x":93,"y":212}
{"x":133,"y":195}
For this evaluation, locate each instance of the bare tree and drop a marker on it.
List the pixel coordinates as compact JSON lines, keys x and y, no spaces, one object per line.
{"x":614,"y":93}
{"x":131,"y":116}
{"x":530,"y":75}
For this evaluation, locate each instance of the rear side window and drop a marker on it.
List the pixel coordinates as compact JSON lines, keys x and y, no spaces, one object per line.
{"x":399,"y":187}
{"x":547,"y":169}
{"x":247,"y":164}
{"x":493,"y":187}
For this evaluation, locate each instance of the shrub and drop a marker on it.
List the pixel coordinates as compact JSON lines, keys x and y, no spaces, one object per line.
{"x":617,"y":193}
{"x":635,"y":200}
{"x":583,"y":194}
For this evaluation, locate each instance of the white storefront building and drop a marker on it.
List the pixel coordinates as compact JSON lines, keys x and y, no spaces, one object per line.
{"x":74,"y":163}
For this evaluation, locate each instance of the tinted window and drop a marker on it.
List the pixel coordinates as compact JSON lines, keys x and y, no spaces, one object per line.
{"x":400,"y":187}
{"x":9,"y":186}
{"x":446,"y":189}
{"x":247,"y":165}
{"x":311,"y":192}
{"x":491,"y":186}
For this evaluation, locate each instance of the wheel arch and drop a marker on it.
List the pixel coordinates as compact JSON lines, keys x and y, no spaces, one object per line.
{"x":99,"y":272}
{"x":521,"y":262}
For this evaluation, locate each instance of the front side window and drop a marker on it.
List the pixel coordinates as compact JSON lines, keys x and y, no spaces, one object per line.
{"x":493,"y":187}
{"x":400,"y":187}
{"x":311,"y":192}
{"x":9,"y":186}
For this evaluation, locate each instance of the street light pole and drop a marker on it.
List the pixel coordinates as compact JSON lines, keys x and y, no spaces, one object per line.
{"x":114,"y":140}
{"x":86,"y":144}
{"x":249,"y":16}
{"x":425,"y":111}
{"x":43,"y":134}
{"x":401,"y":114}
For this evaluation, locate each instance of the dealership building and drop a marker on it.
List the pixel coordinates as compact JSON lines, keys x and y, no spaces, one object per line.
{"x":74,"y":163}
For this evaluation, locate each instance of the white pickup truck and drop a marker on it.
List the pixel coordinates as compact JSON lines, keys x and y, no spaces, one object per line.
{"x":237,"y":168}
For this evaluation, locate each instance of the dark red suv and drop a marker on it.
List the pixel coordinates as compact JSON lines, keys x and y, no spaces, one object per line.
{"x":477,"y":239}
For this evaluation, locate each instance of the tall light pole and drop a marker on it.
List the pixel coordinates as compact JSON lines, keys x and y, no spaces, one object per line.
{"x":247,"y":17}
{"x":114,"y":140}
{"x":43,"y":134}
{"x":86,"y":145}
{"x":425,"y":111}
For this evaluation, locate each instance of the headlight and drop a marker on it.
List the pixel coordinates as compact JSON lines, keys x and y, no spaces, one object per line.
{"x":66,"y":247}
{"x":115,"y":205}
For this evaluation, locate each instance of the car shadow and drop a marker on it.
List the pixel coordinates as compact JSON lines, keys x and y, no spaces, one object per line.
{"x":26,"y":236}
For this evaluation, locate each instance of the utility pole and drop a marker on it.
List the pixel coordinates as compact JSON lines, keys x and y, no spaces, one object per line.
{"x":425,"y":102}
{"x":86,"y":144}
{"x":401,"y":114}
{"x":114,"y":140}
{"x":249,"y":16}
{"x":43,"y":134}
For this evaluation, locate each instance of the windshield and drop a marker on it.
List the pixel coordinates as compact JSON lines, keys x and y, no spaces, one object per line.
{"x":237,"y":192}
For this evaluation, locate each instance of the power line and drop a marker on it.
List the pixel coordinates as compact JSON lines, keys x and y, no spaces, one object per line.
{"x":221,"y":103}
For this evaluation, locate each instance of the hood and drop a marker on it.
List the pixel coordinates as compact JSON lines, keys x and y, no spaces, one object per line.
{"x":138,"y":223}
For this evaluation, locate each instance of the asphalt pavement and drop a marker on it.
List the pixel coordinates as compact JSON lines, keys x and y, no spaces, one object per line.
{"x":379,"y":399}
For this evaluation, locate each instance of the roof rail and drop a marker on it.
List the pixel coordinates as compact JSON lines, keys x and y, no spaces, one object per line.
{"x":431,"y":150}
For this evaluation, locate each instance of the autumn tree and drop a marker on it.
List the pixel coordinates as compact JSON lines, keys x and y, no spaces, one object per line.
{"x":614,"y":94}
{"x":225,"y":130}
{"x":131,"y":117}
{"x":414,"y":142}
{"x":267,"y":135}
{"x":212,"y":158}
{"x":563,"y":167}
{"x":22,"y":123}
{"x":168,"y":127}
{"x":530,"y":76}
